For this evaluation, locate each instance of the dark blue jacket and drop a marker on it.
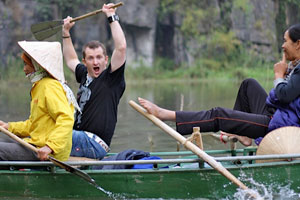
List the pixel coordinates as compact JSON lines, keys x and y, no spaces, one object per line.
{"x":129,"y":154}
{"x":286,"y":99}
{"x":287,"y":114}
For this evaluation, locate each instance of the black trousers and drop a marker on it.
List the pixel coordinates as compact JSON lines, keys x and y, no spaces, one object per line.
{"x":249,"y":117}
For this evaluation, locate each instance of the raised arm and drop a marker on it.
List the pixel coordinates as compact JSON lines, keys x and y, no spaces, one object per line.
{"x":69,"y":52}
{"x":286,"y":91}
{"x":119,"y":53}
{"x":280,"y":68}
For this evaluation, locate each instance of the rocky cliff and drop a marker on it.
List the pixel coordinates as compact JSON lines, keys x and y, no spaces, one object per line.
{"x":147,"y":34}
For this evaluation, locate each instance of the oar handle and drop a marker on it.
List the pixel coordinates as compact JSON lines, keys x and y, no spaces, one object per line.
{"x":210,"y":160}
{"x":94,"y":12}
{"x":13,"y":136}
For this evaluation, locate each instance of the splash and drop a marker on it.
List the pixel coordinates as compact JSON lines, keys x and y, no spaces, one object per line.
{"x":108,"y":193}
{"x":263,"y":192}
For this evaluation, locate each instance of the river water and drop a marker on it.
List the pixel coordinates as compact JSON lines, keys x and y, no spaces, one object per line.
{"x":133,"y":131}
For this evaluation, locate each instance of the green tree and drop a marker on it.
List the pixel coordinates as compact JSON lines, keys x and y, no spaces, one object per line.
{"x":66,"y":7}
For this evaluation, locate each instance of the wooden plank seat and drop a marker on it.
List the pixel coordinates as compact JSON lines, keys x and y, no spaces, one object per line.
{"x":73,"y":158}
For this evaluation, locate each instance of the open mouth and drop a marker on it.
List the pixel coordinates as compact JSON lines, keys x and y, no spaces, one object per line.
{"x":96,"y":69}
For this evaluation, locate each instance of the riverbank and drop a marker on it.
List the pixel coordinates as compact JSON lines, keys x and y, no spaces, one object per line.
{"x":148,"y":75}
{"x":161,"y":71}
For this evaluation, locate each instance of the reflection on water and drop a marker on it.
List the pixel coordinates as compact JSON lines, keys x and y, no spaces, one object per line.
{"x":133,"y":130}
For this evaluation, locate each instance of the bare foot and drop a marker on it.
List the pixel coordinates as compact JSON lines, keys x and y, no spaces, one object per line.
{"x":160,"y":113}
{"x":242,"y":139}
{"x":150,"y":107}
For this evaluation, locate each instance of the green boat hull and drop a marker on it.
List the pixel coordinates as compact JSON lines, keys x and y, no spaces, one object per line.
{"x":166,"y":183}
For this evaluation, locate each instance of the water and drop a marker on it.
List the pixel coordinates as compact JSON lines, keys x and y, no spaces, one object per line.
{"x":135,"y":131}
{"x":263,"y":192}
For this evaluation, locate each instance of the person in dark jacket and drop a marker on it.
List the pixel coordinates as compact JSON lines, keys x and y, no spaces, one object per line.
{"x":252,"y":115}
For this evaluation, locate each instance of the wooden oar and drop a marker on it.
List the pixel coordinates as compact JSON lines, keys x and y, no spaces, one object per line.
{"x":47,"y":29}
{"x":63,"y":165}
{"x":210,"y":160}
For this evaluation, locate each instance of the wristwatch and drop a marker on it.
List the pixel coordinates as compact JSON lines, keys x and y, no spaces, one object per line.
{"x":113,"y":18}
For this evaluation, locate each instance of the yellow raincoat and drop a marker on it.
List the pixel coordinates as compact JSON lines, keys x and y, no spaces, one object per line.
{"x":51,"y":119}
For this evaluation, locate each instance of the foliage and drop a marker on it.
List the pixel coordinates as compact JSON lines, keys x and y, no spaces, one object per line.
{"x":282,"y":20}
{"x":161,"y":68}
{"x":204,"y":11}
{"x":45,"y":7}
{"x":164,"y":64}
{"x":244,"y":5}
{"x":295,"y":2}
{"x":14,"y":68}
{"x":212,"y":41}
{"x":222,"y":46}
{"x":245,"y":64}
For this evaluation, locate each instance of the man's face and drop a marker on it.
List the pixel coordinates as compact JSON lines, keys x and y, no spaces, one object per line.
{"x":95,"y":61}
{"x":289,"y":47}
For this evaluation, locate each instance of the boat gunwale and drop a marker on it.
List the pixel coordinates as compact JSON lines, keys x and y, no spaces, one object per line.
{"x":154,"y":170}
{"x":290,"y":158}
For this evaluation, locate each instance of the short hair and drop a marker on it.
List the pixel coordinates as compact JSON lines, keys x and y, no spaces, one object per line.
{"x":294,"y":32}
{"x":94,"y":44}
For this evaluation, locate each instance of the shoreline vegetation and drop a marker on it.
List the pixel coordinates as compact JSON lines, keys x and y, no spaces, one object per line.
{"x":164,"y":70}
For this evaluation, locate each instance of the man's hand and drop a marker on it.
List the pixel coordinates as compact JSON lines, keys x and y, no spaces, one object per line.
{"x":4,"y":124}
{"x":67,"y":26}
{"x":280,"y":68}
{"x":44,"y":152}
{"x":106,"y":8}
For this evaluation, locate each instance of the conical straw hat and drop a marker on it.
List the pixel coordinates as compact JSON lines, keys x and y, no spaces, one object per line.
{"x":48,"y":55}
{"x":285,"y":140}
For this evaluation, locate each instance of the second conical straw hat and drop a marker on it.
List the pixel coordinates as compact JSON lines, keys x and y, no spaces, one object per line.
{"x":285,"y":140}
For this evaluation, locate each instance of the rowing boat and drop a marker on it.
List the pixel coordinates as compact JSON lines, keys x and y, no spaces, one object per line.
{"x":177,"y":175}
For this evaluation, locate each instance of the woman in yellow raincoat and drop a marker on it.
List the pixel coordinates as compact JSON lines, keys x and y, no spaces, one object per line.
{"x":49,"y":126}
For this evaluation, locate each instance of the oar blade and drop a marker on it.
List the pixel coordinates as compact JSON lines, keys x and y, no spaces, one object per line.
{"x":45,"y":25}
{"x":73,"y":170}
{"x":45,"y":30}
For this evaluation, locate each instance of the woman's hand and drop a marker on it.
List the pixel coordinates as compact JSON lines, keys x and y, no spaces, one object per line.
{"x":280,"y":68}
{"x":44,"y":152}
{"x":4,"y":124}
